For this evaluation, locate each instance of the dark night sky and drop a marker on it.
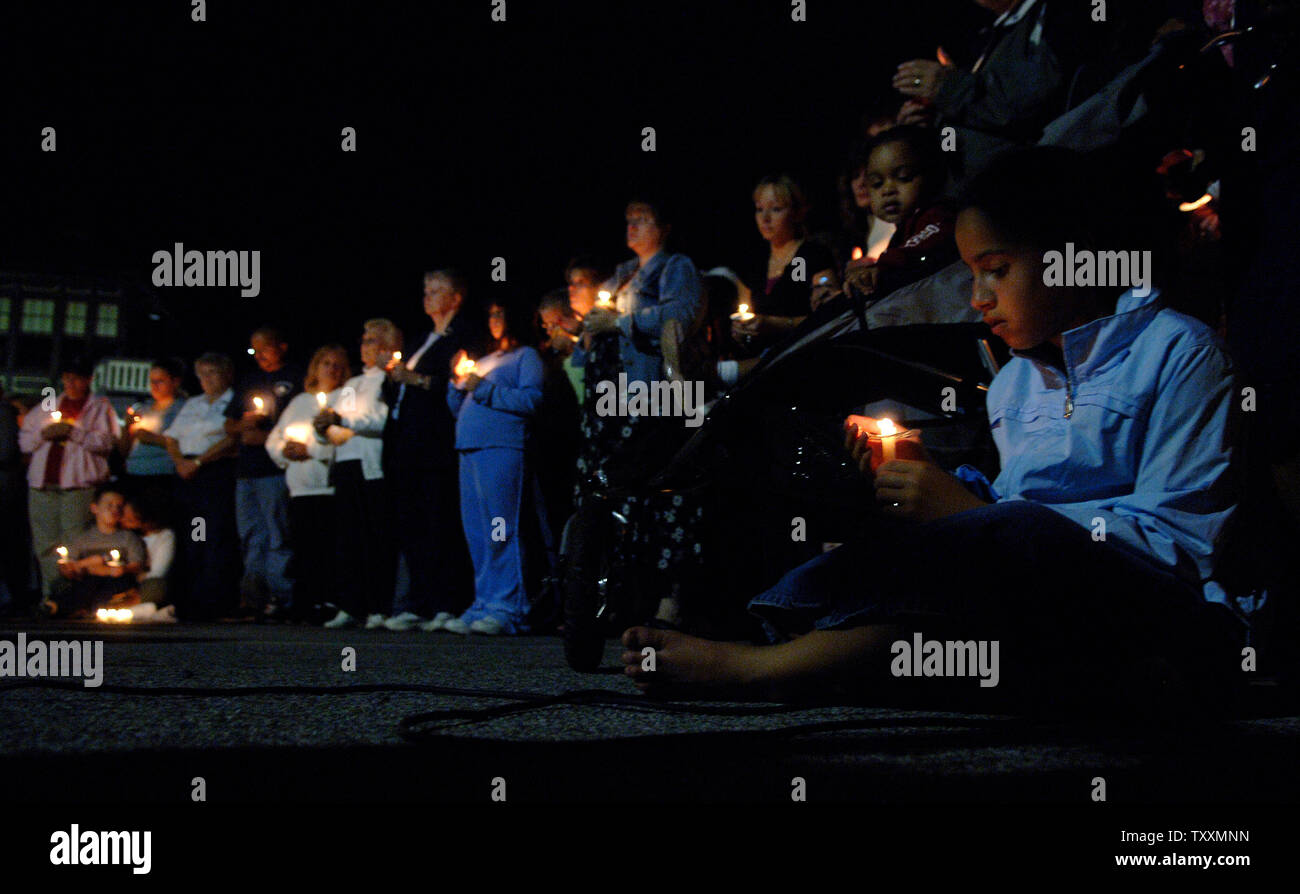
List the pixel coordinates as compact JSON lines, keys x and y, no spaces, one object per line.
{"x":474,"y":139}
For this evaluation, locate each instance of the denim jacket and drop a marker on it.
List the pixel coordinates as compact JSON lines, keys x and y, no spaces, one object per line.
{"x":667,"y":287}
{"x":1134,"y":432}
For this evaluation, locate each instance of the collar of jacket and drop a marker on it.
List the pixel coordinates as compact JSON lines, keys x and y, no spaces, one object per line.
{"x":1094,"y":345}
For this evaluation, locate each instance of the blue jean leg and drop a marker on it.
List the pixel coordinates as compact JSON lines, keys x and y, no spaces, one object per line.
{"x":262,"y":514}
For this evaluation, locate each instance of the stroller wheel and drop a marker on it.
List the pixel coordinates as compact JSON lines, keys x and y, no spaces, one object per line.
{"x":586,"y":583}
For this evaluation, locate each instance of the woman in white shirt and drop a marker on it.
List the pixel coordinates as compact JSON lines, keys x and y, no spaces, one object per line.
{"x":295,"y":447}
{"x":204,"y":458}
{"x":354,"y":424}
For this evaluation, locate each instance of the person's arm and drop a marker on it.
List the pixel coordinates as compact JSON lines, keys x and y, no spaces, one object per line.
{"x":455,"y":397}
{"x":100,"y":431}
{"x":680,"y":294}
{"x":521,"y":400}
{"x":1183,"y":494}
{"x":1013,"y":91}
{"x":160,"y":562}
{"x":372,"y":413}
{"x":29,"y":436}
{"x":275,"y":438}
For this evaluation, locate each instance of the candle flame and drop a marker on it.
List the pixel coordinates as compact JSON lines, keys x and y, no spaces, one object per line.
{"x":320,"y":398}
{"x":464,"y":366}
{"x":742,"y":309}
{"x":56,"y":416}
{"x":857,"y":253}
{"x":258,"y":404}
{"x":603,"y":298}
{"x":944,"y":58}
{"x":114,"y":555}
{"x":63,"y":552}
{"x":397,"y":356}
{"x":115,"y":615}
{"x":887,"y":428}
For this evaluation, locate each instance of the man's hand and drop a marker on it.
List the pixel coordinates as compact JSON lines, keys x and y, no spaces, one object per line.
{"x":186,"y":469}
{"x":471,"y":382}
{"x":253,"y":437}
{"x":921,"y":491}
{"x":295,"y":451}
{"x":403,"y":376}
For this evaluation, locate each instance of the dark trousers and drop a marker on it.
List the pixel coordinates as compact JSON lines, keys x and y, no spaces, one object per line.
{"x":363,"y":531}
{"x":314,"y":542}
{"x":426,"y":509}
{"x":212,"y":564}
{"x":1073,"y":614}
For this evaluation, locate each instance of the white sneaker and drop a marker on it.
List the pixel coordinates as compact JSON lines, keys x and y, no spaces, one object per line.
{"x":404,"y":621}
{"x":456,"y":625}
{"x":439,"y":622}
{"x":375,"y":621}
{"x":342,"y":619}
{"x":487,"y":627}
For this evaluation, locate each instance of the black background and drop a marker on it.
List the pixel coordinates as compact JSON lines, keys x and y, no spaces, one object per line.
{"x":475,"y":139}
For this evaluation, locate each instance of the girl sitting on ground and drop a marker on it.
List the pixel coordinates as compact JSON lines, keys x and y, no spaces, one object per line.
{"x":1091,"y":556}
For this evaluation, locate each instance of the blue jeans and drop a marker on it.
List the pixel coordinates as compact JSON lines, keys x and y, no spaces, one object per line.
{"x":262,"y":516}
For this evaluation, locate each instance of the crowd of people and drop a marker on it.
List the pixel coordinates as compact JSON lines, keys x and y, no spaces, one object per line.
{"x":428,"y":490}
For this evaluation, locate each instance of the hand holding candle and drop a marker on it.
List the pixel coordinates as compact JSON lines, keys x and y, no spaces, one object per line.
{"x":878,"y":441}
{"x":114,"y":558}
{"x":743,"y":314}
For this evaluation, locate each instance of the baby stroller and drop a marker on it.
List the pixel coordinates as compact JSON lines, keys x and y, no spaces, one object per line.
{"x":777,"y":436}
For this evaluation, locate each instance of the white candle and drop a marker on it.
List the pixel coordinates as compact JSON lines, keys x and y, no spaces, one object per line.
{"x":888,"y":439}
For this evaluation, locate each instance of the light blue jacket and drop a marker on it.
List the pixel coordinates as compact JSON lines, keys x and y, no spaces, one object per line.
{"x":668,"y":287}
{"x":1135,"y":431}
{"x":497,"y":414}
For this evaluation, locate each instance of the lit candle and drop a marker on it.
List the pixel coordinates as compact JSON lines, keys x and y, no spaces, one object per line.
{"x":888,"y":439}
{"x":320,"y":399}
{"x":857,"y":253}
{"x":114,"y":558}
{"x":115,"y":615}
{"x":299,"y":433}
{"x":56,"y":417}
{"x":743,"y":314}
{"x":464,"y":366}
{"x":63,"y":554}
{"x":258,"y":403}
{"x":604,"y":300}
{"x":251,"y":352}
{"x":397,"y":358}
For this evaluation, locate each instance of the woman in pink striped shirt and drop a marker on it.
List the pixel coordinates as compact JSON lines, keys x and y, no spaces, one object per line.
{"x":69,"y":439}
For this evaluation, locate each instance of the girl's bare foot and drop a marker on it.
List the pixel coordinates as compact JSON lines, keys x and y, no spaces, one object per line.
{"x":679,"y":658}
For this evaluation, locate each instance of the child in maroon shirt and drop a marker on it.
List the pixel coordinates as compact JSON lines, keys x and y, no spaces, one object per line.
{"x":906,"y":174}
